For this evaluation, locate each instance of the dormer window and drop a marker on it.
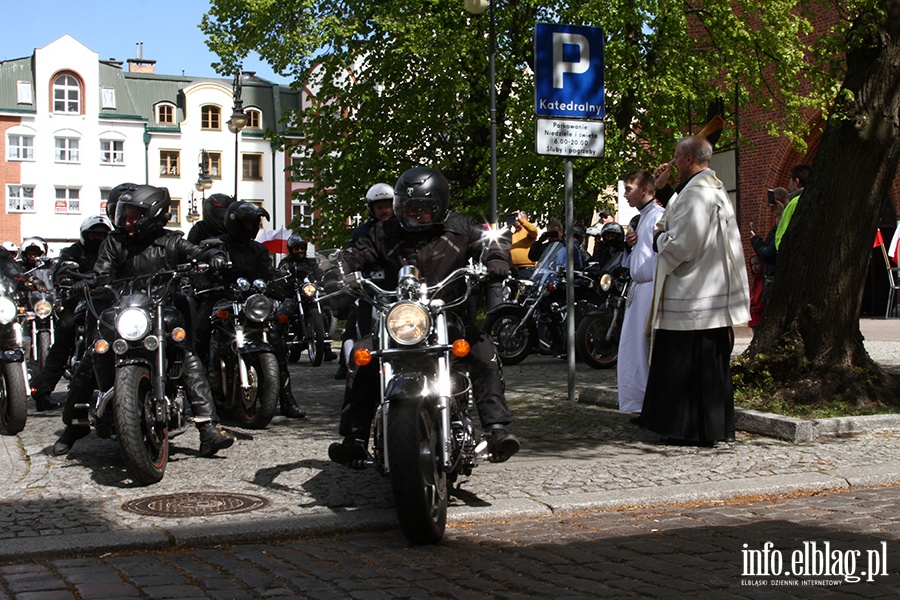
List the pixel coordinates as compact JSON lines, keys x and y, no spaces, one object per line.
{"x":165,"y":114}
{"x":254,"y":118}
{"x":66,"y":95}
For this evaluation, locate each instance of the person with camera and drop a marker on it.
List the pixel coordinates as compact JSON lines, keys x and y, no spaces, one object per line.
{"x":427,"y":234}
{"x":524,"y":234}
{"x":765,"y":249}
{"x":141,"y":245}
{"x":553,"y":233}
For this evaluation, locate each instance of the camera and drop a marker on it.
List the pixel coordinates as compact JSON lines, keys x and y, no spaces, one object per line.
{"x":511,"y":219}
{"x":771,"y":194}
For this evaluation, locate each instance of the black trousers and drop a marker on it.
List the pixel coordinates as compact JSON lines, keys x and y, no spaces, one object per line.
{"x":64,"y":332}
{"x":361,"y":396}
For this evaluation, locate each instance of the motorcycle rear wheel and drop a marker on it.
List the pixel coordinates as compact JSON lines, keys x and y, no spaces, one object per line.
{"x":418,"y":482}
{"x":315,"y":337}
{"x":591,"y":344}
{"x":257,"y":406}
{"x":13,"y":399}
{"x":144,"y":444}
{"x":512,"y":346}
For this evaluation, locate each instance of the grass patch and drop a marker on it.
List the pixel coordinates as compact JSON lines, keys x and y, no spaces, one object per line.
{"x":765,"y":401}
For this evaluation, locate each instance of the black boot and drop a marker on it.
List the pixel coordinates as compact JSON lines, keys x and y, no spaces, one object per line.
{"x":212,"y":439}
{"x":501,"y":444}
{"x":289,"y":407}
{"x":70,"y":435}
{"x":42,"y":401}
{"x":351,"y":452}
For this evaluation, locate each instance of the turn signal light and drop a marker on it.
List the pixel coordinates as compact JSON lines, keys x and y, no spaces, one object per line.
{"x":362,"y":357}
{"x":282,"y":318}
{"x":178,"y":334}
{"x":460,"y":348}
{"x":101,"y":346}
{"x":223,"y":314}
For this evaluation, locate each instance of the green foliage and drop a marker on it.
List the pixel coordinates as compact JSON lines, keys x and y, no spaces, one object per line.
{"x":397,"y":84}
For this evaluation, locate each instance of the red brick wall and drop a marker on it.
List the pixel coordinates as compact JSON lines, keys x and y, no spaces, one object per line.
{"x":10,"y":224}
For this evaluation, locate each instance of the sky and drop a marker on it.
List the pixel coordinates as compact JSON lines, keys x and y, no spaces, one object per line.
{"x":169,"y":30}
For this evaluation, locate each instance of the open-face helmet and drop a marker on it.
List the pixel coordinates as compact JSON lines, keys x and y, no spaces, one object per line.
{"x":97,"y":224}
{"x":378,"y":193}
{"x":421,"y":199}
{"x":296,"y":245}
{"x":35,"y":246}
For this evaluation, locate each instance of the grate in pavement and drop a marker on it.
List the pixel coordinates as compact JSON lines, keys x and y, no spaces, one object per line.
{"x":195,"y":504}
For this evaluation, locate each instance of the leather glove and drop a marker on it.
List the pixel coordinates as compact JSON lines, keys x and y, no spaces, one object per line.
{"x":218,"y":263}
{"x":83,"y":286}
{"x":497,"y":269}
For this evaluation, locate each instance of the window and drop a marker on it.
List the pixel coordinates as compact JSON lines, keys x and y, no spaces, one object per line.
{"x":254,"y":119}
{"x":175,"y":211}
{"x":20,"y":147}
{"x":20,"y":198}
{"x":214,"y":164}
{"x":23,"y":92}
{"x":210,"y":117}
{"x":104,"y":196}
{"x":168,"y":163}
{"x":108,"y":97}
{"x":165,"y":114}
{"x":66,"y":95}
{"x":67,"y":150}
{"x":68,"y":200}
{"x":112,"y":152}
{"x":303,"y":211}
{"x":252,"y":167}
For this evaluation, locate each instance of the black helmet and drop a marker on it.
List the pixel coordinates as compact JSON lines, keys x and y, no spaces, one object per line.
{"x":242,"y":220}
{"x":378,"y":193}
{"x":113,"y":198}
{"x":612,"y":235}
{"x":153,"y":203}
{"x":421,"y":191}
{"x":578,"y":233}
{"x":295,"y":241}
{"x":214,"y":210}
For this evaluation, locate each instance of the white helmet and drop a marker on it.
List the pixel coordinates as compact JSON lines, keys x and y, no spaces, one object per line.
{"x":11,"y":248}
{"x":96,"y":223}
{"x":377,"y":193}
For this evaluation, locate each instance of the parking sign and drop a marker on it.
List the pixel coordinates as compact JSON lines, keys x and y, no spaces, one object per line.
{"x":568,"y":71}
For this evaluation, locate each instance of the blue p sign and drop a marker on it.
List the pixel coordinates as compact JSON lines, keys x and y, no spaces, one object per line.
{"x":568,"y":71}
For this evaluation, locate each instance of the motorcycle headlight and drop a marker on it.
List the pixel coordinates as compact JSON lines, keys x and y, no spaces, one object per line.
{"x":308,"y":290}
{"x":408,"y":323}
{"x":606,"y":282}
{"x":8,"y":310}
{"x":43,"y":308}
{"x":132,"y":324}
{"x":259,"y":285}
{"x":242,"y":284}
{"x":257,"y":307}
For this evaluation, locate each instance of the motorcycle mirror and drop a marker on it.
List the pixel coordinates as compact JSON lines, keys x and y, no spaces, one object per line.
{"x":352,"y":280}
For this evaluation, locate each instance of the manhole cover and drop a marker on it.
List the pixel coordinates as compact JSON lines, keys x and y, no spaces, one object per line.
{"x":195,"y":504}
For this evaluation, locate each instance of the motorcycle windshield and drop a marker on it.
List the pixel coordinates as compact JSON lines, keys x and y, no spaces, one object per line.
{"x":554,"y":256}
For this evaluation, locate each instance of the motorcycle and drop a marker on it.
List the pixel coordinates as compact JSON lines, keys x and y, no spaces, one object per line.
{"x":40,"y":310}
{"x":598,"y":332}
{"x":140,"y":401}
{"x":424,"y":439}
{"x":243,"y":368}
{"x":306,"y":327}
{"x":536,"y":320}
{"x":14,"y":388}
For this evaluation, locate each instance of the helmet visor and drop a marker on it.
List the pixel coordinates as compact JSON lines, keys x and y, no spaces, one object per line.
{"x":419,"y":213}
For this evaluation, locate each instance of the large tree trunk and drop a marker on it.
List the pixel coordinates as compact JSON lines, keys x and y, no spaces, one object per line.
{"x":810,"y":341}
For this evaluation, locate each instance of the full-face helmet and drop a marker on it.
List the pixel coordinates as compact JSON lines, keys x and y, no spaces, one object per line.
{"x":612,"y":235}
{"x":143,"y":211}
{"x":97,"y":227}
{"x":214,"y":207}
{"x":421,"y":199}
{"x":242,"y":220}
{"x":113,"y":198}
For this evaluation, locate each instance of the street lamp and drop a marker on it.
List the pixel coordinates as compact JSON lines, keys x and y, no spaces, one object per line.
{"x":204,"y":182}
{"x":476,"y":7}
{"x":236,"y":123}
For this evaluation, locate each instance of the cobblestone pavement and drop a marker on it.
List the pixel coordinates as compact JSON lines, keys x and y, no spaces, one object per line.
{"x":833,"y":545}
{"x":575,"y":457}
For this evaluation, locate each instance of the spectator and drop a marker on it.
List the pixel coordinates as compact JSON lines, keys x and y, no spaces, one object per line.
{"x":523,"y":236}
{"x":799,"y":175}
{"x":765,"y":248}
{"x":554,"y":233}
{"x":756,"y":293}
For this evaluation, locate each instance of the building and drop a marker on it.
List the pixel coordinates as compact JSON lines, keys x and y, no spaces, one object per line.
{"x":73,"y":126}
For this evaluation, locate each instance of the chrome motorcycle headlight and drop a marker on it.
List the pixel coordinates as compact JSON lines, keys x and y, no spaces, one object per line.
{"x":132,"y":324}
{"x":8,"y":310}
{"x":408,"y":323}
{"x":43,"y":308}
{"x":606,"y":282}
{"x":308,"y":290}
{"x":257,"y":307}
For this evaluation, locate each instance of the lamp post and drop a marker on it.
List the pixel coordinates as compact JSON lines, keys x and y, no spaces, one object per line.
{"x":476,"y":7}
{"x":204,"y":182}
{"x":236,"y":123}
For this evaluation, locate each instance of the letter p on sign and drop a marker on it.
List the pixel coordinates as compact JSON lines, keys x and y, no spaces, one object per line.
{"x":561,"y":66}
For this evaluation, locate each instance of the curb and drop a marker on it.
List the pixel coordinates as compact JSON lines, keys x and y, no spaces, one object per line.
{"x":771,"y":425}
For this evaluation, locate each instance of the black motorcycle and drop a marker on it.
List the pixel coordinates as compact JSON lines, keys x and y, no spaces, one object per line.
{"x":243,"y":368}
{"x":423,"y":436}
{"x":140,"y":401}
{"x":40,"y":309}
{"x":14,"y":388}
{"x":536,"y":320}
{"x":306,"y":325}
{"x":598,"y":332}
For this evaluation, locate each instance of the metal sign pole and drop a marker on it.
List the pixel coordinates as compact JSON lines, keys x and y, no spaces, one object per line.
{"x":570,"y":279}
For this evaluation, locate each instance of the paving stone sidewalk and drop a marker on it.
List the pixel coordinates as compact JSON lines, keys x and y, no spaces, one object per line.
{"x":575,"y":456}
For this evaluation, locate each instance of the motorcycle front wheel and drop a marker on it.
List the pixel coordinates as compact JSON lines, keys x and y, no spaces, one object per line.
{"x":315,"y":337}
{"x":513,"y":345}
{"x":257,"y":404}
{"x":595,"y":344}
{"x":144,"y":444}
{"x":13,"y":399}
{"x":43,"y":347}
{"x":418,"y":482}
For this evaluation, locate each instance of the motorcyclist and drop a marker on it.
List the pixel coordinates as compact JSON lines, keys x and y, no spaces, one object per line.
{"x":213,"y":222}
{"x":250,"y":259}
{"x":426,"y":234}
{"x":140,"y":245}
{"x":84,"y":253}
{"x":12,"y":249}
{"x":31,"y":251}
{"x":113,"y":198}
{"x":380,"y":204}
{"x":609,"y":243}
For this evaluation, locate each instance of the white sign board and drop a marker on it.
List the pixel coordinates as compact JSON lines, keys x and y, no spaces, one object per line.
{"x":570,"y":137}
